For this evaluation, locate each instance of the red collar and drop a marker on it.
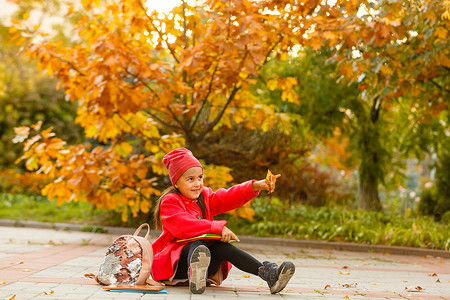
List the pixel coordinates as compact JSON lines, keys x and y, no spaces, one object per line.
{"x":186,"y":199}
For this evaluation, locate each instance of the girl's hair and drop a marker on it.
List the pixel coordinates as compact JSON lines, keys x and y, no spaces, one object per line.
{"x":174,"y":190}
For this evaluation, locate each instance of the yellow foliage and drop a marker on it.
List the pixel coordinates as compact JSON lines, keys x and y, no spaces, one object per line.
{"x":216,"y":176}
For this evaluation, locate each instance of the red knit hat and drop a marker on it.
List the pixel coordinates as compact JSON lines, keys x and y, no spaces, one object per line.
{"x":178,"y":161}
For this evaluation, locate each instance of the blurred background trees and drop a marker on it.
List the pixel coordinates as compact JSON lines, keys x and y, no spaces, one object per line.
{"x":339,"y":97}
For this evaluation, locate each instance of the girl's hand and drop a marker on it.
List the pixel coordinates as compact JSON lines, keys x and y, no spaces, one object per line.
{"x":262,"y":185}
{"x":228,"y":235}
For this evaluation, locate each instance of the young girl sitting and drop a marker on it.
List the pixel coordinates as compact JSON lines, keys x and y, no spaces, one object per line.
{"x":186,"y":210}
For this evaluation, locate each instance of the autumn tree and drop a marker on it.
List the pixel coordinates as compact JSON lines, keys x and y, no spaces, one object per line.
{"x":147,"y":82}
{"x":409,"y":69}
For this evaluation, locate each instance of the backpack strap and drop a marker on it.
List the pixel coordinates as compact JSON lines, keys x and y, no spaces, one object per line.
{"x":139,"y":229}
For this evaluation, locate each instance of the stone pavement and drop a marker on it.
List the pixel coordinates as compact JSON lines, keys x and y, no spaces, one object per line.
{"x":51,"y":264}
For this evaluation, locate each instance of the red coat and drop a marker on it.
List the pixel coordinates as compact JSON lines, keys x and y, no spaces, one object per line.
{"x":181,"y":218}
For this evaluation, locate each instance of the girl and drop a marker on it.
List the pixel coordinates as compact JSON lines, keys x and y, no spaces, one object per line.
{"x":186,"y":210}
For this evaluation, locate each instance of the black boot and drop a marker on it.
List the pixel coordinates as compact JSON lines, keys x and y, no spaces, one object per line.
{"x":198,"y":268}
{"x":276,"y":276}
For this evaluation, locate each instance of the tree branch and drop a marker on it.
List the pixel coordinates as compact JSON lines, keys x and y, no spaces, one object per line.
{"x":439,"y":86}
{"x":271,"y":49}
{"x":219,"y":116}
{"x":162,"y":122}
{"x":207,"y":94}
{"x":158,"y":31}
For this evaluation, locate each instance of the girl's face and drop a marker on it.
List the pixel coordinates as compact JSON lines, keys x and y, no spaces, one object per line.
{"x":190,"y":184}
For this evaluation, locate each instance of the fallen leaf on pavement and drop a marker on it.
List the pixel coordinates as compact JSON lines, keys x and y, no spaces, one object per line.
{"x":4,"y":282}
{"x":327,"y":286}
{"x":347,"y":297}
{"x":345,"y":267}
{"x":348,"y":285}
{"x":432,"y":274}
{"x":26,"y":270}
{"x":344,"y":273}
{"x":49,"y":293}
{"x":405,"y":280}
{"x":12,"y":298}
{"x":374,"y":283}
{"x":246,"y":276}
{"x":438,"y":280}
{"x":89,"y":275}
{"x":416,"y":289}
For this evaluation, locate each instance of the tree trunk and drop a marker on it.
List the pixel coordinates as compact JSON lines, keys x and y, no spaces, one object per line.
{"x":369,"y":197}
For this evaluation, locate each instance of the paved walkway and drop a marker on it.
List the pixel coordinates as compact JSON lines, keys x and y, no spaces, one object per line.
{"x":50,"y":264}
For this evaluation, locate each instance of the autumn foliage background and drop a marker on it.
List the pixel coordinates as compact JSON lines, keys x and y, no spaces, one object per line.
{"x":337,"y":96}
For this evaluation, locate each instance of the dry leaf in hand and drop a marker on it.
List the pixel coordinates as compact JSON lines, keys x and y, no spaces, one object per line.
{"x":270,"y":180}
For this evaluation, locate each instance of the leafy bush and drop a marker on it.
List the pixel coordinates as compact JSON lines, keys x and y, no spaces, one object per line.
{"x":428,"y":202}
{"x":277,"y":218}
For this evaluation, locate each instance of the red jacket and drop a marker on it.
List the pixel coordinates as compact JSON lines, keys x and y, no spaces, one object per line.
{"x":181,"y":218}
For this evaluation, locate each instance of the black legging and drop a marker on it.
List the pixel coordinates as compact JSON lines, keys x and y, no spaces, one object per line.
{"x":220,"y":252}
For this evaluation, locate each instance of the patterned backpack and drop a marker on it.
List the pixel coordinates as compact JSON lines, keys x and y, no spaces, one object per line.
{"x":128,"y":261}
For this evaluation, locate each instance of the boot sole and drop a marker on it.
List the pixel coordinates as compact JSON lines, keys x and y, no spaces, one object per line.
{"x":287,"y":269}
{"x":198,"y":267}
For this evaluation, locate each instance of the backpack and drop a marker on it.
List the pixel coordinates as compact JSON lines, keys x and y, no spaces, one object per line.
{"x":128,"y":261}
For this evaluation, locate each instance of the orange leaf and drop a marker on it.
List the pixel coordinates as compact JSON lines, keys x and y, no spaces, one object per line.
{"x":12,"y":298}
{"x":22,"y":130}
{"x":89,"y":275}
{"x":327,"y":286}
{"x":270,"y":181}
{"x":49,"y":293}
{"x":432,"y":274}
{"x":344,"y":273}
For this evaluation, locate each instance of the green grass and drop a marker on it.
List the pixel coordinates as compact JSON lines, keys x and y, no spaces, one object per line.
{"x":277,"y":219}
{"x":38,"y":208}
